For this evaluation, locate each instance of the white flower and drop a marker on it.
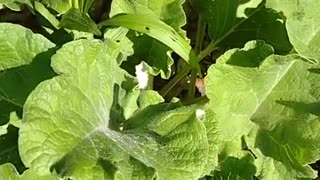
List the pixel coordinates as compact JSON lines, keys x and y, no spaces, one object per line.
{"x":142,"y":76}
{"x":200,"y":114}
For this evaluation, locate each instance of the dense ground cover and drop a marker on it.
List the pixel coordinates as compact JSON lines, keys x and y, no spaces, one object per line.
{"x":159,"y":89}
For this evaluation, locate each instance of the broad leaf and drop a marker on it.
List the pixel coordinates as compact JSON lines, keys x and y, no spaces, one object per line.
{"x":74,"y":19}
{"x":279,"y":94}
{"x":20,"y":45}
{"x":222,"y":16}
{"x":8,"y":171}
{"x":303,"y":25}
{"x":214,"y":141}
{"x":72,"y":124}
{"x":264,"y":24}
{"x":147,"y":49}
{"x":235,"y":69}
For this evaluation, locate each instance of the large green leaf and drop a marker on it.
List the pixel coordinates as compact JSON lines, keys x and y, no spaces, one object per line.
{"x":234,"y":70}
{"x":269,"y":168}
{"x":222,"y":16}
{"x":8,"y":171}
{"x":279,"y":94}
{"x":265,"y":24}
{"x":24,"y":63}
{"x":20,"y":45}
{"x":147,"y":49}
{"x":303,"y":24}
{"x":72,"y":124}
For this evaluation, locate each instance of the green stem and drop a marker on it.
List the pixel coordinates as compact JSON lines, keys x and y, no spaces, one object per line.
{"x":207,"y":51}
{"x":200,"y":35}
{"x":191,"y":89}
{"x":200,"y":100}
{"x":175,"y":80}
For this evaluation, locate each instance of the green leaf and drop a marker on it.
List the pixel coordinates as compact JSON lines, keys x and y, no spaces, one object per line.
{"x":118,"y":35}
{"x":39,"y":7}
{"x":303,"y":25}
{"x":9,"y":152}
{"x":11,"y":4}
{"x":214,"y":142}
{"x":269,"y":168}
{"x":235,"y":69}
{"x":9,"y":135}
{"x":149,"y":97}
{"x":74,"y":19}
{"x":279,"y":94}
{"x":85,"y":5}
{"x":264,"y":24}
{"x":241,"y":167}
{"x":147,"y":49}
{"x":222,"y":16}
{"x":20,"y":45}
{"x":61,"y":6}
{"x":157,"y":29}
{"x":70,"y":125}
{"x":31,"y":53}
{"x":8,"y":171}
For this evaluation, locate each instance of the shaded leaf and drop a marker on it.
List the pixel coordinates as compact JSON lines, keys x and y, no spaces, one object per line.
{"x":265,"y":24}
{"x":223,"y":17}
{"x":74,"y":19}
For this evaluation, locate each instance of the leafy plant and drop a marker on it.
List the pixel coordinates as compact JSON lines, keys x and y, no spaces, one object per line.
{"x":89,"y":92}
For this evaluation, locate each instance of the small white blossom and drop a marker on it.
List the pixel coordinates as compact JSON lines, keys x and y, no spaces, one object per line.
{"x":142,"y":76}
{"x":200,"y":114}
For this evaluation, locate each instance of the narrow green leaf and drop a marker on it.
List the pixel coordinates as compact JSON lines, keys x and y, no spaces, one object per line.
{"x":147,"y":49}
{"x":11,"y":4}
{"x":39,"y":7}
{"x":157,"y":29}
{"x":74,"y":19}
